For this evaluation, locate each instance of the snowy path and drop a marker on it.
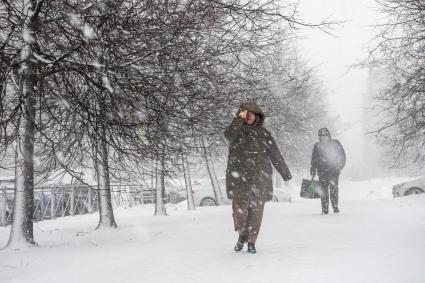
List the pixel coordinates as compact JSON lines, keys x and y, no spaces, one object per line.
{"x":370,"y":241}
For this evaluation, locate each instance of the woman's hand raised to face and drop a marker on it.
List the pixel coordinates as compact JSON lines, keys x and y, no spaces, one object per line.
{"x":243,"y":114}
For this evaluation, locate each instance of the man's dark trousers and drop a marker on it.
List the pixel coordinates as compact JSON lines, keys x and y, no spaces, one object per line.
{"x":329,"y":183}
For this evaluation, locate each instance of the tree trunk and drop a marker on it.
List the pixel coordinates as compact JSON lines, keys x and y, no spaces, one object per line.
{"x":21,"y":233}
{"x":213,"y":176}
{"x":104,"y":197}
{"x":106,"y":212}
{"x":3,"y":204}
{"x":160,"y":189}
{"x":189,"y":193}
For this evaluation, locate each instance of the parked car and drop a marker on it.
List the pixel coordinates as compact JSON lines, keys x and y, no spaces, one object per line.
{"x":203,"y":193}
{"x":413,"y":187}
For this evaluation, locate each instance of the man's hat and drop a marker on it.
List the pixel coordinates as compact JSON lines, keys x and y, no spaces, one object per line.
{"x":323,"y":132}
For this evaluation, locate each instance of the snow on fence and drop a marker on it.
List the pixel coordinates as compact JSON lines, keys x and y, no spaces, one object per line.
{"x":63,"y":200}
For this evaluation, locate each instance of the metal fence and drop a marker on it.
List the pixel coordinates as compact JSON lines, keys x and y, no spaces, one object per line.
{"x":58,"y":201}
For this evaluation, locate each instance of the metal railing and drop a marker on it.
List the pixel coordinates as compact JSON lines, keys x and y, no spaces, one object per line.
{"x":63,"y":200}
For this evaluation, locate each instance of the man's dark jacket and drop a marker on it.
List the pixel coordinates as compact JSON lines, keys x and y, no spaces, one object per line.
{"x":328,"y":158}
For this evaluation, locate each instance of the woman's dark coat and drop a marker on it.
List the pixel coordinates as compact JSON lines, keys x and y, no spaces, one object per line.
{"x":252,"y":149}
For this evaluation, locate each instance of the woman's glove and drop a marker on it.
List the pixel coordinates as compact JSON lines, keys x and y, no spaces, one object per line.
{"x":243,"y":114}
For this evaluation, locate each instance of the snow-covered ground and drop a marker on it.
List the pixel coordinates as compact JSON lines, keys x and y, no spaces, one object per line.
{"x":375,"y":238}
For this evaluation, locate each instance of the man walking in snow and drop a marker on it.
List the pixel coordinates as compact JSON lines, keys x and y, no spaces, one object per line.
{"x":327,"y":160}
{"x":249,"y":172}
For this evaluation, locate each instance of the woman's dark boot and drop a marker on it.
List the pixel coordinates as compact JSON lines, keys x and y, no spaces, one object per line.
{"x":251,"y":248}
{"x":239,"y":244}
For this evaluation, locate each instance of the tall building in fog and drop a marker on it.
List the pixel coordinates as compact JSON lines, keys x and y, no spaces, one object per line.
{"x":376,"y":156}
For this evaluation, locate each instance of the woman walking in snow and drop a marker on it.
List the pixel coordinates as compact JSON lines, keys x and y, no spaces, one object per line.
{"x":249,"y":172}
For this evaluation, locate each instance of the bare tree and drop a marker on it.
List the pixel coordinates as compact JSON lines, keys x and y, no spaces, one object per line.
{"x":397,"y":50}
{"x":291,"y":95}
{"x":295,"y":102}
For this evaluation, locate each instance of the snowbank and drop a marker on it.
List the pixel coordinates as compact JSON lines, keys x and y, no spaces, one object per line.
{"x":356,"y":190}
{"x":371,"y":240}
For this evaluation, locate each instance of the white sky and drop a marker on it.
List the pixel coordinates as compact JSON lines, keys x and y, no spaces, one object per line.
{"x":333,"y":56}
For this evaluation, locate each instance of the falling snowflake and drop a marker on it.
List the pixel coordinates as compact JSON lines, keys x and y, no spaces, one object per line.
{"x":235,"y":174}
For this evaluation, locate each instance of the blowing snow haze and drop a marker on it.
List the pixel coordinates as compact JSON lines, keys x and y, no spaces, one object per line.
{"x":179,"y":141}
{"x":350,"y":91}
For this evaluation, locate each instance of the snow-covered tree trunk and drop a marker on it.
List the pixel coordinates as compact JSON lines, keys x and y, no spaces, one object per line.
{"x":104,"y":196}
{"x":160,"y":189}
{"x":213,"y":176}
{"x":106,"y":212}
{"x":21,"y":233}
{"x":189,"y":193}
{"x":3,"y":204}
